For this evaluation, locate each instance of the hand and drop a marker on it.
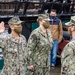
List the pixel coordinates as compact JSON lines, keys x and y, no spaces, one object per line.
{"x":2,"y":28}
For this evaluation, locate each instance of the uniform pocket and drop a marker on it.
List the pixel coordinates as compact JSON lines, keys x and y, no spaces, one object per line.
{"x":11,"y":50}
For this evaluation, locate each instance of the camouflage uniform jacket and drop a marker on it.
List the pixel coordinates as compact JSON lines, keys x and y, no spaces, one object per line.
{"x":68,"y":59}
{"x":39,"y":48}
{"x":14,"y":55}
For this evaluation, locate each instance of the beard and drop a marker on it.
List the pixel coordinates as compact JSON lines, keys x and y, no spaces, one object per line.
{"x":70,"y":30}
{"x":46,"y":25}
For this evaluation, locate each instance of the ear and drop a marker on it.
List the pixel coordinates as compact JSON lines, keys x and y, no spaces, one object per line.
{"x":11,"y":26}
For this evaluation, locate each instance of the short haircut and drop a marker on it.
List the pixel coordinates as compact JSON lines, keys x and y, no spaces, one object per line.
{"x":53,"y":10}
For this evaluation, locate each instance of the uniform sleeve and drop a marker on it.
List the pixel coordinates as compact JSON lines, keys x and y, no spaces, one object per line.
{"x":32,"y":42}
{"x":51,"y":40}
{"x":67,"y":51}
{"x":65,"y":59}
{"x":25,"y":52}
{"x":60,"y":32}
{"x":24,"y":46}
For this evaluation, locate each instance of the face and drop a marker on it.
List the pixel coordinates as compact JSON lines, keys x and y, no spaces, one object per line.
{"x":53,"y":13}
{"x":16,"y":28}
{"x":45,"y":24}
{"x":71,"y":29}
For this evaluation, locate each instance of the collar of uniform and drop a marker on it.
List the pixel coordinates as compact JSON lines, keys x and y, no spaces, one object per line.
{"x":41,"y":32}
{"x":16,"y":40}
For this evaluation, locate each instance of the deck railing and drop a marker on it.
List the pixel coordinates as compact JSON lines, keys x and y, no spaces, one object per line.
{"x":34,"y":7}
